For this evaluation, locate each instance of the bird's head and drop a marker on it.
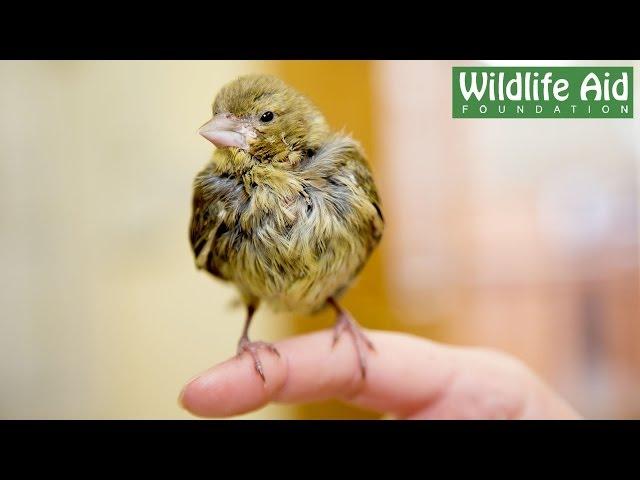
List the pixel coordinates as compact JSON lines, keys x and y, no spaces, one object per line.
{"x":264,"y":117}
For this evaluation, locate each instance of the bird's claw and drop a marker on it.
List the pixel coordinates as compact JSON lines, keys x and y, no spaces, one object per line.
{"x":346,"y":322}
{"x":245,"y":345}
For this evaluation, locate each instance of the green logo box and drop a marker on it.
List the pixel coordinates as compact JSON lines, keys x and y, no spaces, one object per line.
{"x":542,"y":92}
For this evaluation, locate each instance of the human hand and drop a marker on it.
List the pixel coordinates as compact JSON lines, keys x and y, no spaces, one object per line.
{"x":407,"y":377}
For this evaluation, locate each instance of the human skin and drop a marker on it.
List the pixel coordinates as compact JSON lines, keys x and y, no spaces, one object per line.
{"x":408,"y":377}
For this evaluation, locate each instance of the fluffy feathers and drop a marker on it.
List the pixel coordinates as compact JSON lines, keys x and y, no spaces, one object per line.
{"x":285,"y":210}
{"x":291,"y":237}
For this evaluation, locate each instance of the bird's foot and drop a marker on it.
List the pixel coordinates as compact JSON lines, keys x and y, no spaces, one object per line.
{"x":345,"y":321}
{"x":245,"y":345}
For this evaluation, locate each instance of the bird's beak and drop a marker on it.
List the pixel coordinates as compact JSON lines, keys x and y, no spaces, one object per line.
{"x":226,"y":130}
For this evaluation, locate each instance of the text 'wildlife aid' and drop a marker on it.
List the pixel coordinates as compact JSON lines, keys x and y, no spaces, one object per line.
{"x":554,"y":92}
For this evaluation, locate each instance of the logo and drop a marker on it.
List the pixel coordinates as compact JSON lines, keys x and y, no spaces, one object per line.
{"x":539,"y":92}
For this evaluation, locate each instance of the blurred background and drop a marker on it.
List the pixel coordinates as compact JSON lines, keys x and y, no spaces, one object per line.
{"x":522,"y":235}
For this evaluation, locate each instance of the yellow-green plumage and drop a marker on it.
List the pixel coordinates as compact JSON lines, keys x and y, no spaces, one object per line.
{"x":292,"y":218}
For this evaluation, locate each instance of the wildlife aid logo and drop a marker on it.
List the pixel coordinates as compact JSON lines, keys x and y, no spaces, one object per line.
{"x":539,"y":92}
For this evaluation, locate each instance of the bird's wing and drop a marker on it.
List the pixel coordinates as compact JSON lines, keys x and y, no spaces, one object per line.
{"x":342,"y":160}
{"x":210,"y":197}
{"x":357,"y":164}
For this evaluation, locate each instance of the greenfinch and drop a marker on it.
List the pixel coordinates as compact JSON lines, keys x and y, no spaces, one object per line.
{"x":286,"y":209}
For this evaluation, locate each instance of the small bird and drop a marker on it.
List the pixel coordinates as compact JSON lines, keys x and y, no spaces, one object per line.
{"x":286,"y":210}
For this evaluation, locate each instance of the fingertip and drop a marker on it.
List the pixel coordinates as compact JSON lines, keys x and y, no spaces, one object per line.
{"x":234,"y":387}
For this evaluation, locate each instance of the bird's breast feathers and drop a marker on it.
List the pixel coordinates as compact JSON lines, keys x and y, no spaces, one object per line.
{"x":291,"y":237}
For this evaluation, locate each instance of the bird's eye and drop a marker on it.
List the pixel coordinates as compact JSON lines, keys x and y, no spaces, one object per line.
{"x":266,"y":117}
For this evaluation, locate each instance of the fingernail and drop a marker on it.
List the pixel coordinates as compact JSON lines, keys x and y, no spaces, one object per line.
{"x":181,"y":396}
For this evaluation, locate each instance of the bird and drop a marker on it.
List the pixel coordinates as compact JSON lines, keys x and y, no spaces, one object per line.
{"x":286,"y":210}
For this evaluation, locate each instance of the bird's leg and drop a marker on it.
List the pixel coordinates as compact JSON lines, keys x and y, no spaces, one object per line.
{"x":344,"y":321}
{"x":246,"y":345}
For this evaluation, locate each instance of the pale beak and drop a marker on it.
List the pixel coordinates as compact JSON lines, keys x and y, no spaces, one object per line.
{"x":226,"y":130}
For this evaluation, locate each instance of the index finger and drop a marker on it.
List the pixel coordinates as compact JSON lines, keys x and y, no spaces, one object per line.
{"x":404,"y":373}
